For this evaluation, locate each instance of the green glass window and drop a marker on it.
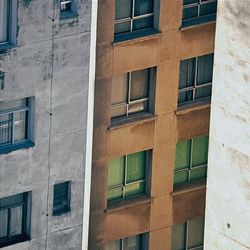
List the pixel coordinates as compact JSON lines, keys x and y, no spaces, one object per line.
{"x":188,"y":235}
{"x":191,"y":159}
{"x":127,"y":175}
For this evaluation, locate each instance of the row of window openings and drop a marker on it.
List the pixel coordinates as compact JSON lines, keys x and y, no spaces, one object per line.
{"x":133,"y":92}
{"x":187,"y":236}
{"x":15,"y":213}
{"x":129,"y":175}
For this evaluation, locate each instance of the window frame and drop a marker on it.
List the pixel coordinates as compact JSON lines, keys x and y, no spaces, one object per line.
{"x":124,"y":182}
{"x":194,"y":86}
{"x":187,"y":229}
{"x":128,"y":103}
{"x":67,"y":208}
{"x":28,"y":141}
{"x":199,"y":19}
{"x":119,"y":37}
{"x":11,"y":27}
{"x":26,"y":217}
{"x":190,"y":167}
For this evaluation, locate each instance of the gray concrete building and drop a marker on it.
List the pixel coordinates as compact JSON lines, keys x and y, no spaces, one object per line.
{"x":46,"y":103}
{"x":228,"y":181}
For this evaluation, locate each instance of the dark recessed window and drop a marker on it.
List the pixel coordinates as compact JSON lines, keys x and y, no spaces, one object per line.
{"x":68,"y":8}
{"x":61,"y":202}
{"x":1,"y":80}
{"x":198,"y":11}
{"x":66,"y":5}
{"x":15,"y":218}
{"x":195,"y":79}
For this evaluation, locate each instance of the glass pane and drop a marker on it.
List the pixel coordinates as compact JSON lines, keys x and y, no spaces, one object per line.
{"x":200,"y":151}
{"x":205,"y":69}
{"x":3,"y":222}
{"x":3,"y":21}
{"x":123,"y":9}
{"x":187,"y":73}
{"x":132,"y":243}
{"x":203,"y":92}
{"x":136,"y":166}
{"x":185,"y":96}
{"x":16,"y":220}
{"x":181,"y":177}
{"x":20,"y":126}
{"x":133,"y":189}
{"x":11,"y":200}
{"x":116,"y":171}
{"x":182,"y":154}
{"x":195,"y":232}
{"x":113,"y":245}
{"x":115,"y":193}
{"x":139,"y":84}
{"x":13,"y":105}
{"x":5,"y":129}
{"x":143,"y":7}
{"x":197,"y":173}
{"x":143,"y":23}
{"x":189,"y":13}
{"x":179,"y":237}
{"x":123,"y":27}
{"x":119,"y":111}
{"x":185,"y":2}
{"x":208,"y":8}
{"x":119,"y":89}
{"x":138,"y":107}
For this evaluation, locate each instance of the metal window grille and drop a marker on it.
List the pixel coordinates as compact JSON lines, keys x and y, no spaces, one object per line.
{"x":13,"y":219}
{"x":61,"y":200}
{"x":133,"y":18}
{"x":197,"y":8}
{"x":66,"y":5}
{"x":10,"y":121}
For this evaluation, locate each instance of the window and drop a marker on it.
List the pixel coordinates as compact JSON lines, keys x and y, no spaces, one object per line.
{"x":191,"y":159}
{"x":198,"y":11}
{"x":134,"y":16}
{"x":15,"y":218}
{"x":61,"y":202}
{"x":8,"y":9}
{"x":1,"y":80}
{"x":132,"y":93}
{"x":127,"y":175}
{"x":188,"y":235}
{"x":15,"y":124}
{"x":138,"y":242}
{"x":195,"y":81}
{"x":68,"y":8}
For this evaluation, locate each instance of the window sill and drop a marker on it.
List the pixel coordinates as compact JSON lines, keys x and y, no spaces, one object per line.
{"x":116,"y":206}
{"x":14,"y":241}
{"x":194,"y":106}
{"x":130,"y":121}
{"x":6,"y":46}
{"x":136,"y":36}
{"x":68,"y":15}
{"x":190,"y":186}
{"x":21,"y":145}
{"x":197,"y":22}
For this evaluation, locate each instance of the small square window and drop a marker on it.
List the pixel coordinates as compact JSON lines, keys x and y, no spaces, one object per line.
{"x":137,"y":242}
{"x":127,"y":175}
{"x":1,"y":80}
{"x":132,"y":93}
{"x":198,"y":11}
{"x":15,"y":219}
{"x":61,"y":202}
{"x":195,"y":79}
{"x":66,"y":5}
{"x":16,"y":124}
{"x":68,"y":8}
{"x":191,"y":160}
{"x":188,"y":235}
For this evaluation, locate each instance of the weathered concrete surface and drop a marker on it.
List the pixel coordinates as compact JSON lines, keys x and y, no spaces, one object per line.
{"x":59,"y":151}
{"x":228,"y":184}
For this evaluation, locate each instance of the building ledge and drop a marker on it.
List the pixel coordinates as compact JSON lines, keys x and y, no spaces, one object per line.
{"x":137,"y":200}
{"x":194,"y":106}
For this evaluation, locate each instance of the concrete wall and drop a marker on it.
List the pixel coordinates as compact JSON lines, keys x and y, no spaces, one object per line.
{"x":228,"y":187}
{"x":59,"y":151}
